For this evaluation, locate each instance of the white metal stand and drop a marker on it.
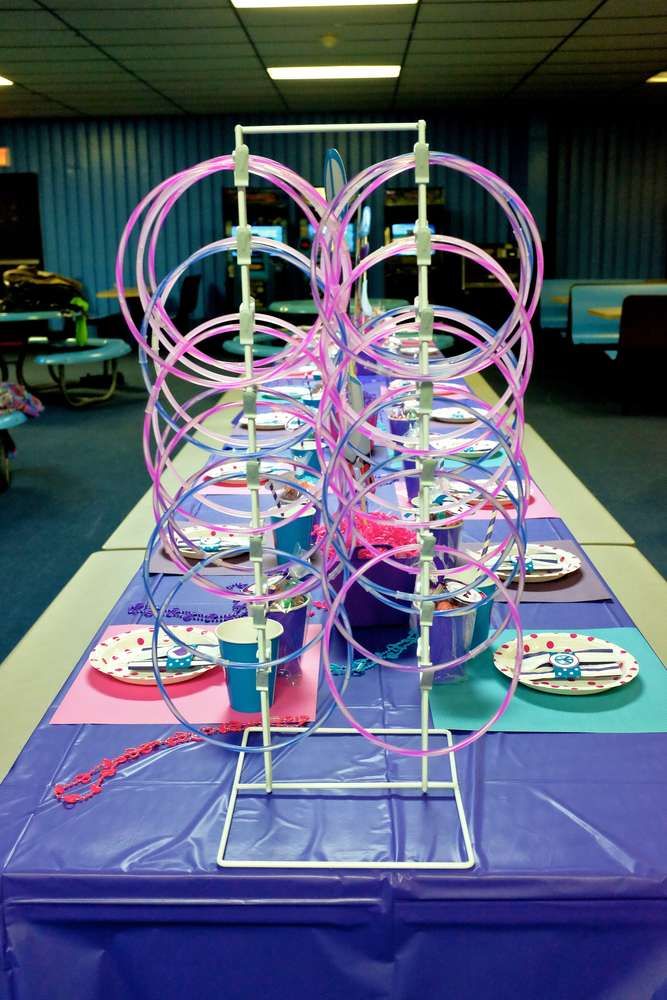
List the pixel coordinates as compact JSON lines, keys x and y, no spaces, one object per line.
{"x":450,"y":789}
{"x":424,"y":313}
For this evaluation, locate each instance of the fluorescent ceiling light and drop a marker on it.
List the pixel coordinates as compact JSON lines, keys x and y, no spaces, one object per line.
{"x":658,"y":78}
{"x":333,"y":72}
{"x":4,"y":82}
{"x":305,"y":4}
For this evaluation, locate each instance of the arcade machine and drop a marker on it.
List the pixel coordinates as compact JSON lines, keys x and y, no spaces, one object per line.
{"x":400,"y":213}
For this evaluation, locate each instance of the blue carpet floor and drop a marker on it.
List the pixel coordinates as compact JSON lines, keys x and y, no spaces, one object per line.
{"x":75,"y":476}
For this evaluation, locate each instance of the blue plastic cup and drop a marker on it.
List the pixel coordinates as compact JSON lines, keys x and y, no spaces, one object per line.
{"x":306,"y":453}
{"x":237,"y":638}
{"x":483,"y":620}
{"x":294,"y":537}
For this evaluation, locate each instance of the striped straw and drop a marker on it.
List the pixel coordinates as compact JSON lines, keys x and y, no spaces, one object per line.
{"x":275,"y":496}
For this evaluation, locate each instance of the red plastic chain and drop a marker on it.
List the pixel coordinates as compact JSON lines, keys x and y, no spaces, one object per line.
{"x":109,"y":766}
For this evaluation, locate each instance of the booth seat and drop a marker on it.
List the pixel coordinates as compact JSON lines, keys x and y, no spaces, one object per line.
{"x":586,"y":329}
{"x":554,"y":314}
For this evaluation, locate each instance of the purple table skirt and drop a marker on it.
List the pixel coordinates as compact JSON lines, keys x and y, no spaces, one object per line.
{"x":120,"y":897}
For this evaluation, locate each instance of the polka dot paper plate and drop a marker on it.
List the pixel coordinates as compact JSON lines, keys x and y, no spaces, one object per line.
{"x":270,"y":421}
{"x":544,"y":563}
{"x":237,"y":473}
{"x":482,"y":449}
{"x":454,"y":415}
{"x":570,"y":663}
{"x":127,"y":657}
{"x":199,"y":539}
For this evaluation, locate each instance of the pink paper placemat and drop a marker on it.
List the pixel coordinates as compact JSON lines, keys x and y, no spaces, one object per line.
{"x":95,"y":698}
{"x":538,"y":506}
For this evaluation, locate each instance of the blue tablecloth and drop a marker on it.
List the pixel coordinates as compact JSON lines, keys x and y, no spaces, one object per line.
{"x":120,"y":898}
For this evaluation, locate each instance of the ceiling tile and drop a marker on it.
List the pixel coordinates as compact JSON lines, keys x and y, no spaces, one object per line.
{"x":13,"y":56}
{"x":567,"y":55}
{"x":624,"y":26}
{"x":648,"y":40}
{"x":123,"y":5}
{"x":494,"y":29}
{"x":136,"y":57}
{"x":111,"y":19}
{"x":630,"y":8}
{"x":432,"y":53}
{"x":480,"y":46}
{"x":295,"y":53}
{"x":46,"y":81}
{"x":27,"y":21}
{"x":505,"y":10}
{"x":196,"y":77}
{"x":166,"y":36}
{"x":327,"y":18}
{"x":12,"y":39}
{"x":131,"y":106}
{"x":301,"y":33}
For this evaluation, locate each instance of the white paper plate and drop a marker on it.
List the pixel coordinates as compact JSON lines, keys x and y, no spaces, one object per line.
{"x":113,"y":655}
{"x":479,"y":449}
{"x":200,"y":539}
{"x":454,"y":415}
{"x":469,"y":493}
{"x":567,"y":563}
{"x":566,"y":642}
{"x":274,"y":420}
{"x":237,"y":473}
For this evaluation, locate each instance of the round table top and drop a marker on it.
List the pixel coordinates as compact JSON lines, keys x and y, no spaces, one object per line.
{"x":306,"y":307}
{"x":112,"y":293}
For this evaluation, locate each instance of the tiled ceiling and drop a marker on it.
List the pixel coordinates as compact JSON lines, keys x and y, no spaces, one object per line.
{"x":118,"y":57}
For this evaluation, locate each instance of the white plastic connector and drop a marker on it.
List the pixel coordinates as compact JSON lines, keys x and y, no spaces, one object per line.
{"x":427,"y":469}
{"x":241,"y":171}
{"x":425,"y":398}
{"x":252,"y":474}
{"x":423,"y":240}
{"x":426,"y":317}
{"x":243,"y":248}
{"x":421,"y":163}
{"x":247,"y":322}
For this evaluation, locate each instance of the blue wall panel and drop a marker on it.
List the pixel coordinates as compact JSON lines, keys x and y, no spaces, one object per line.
{"x":93,"y":172}
{"x":608,"y":181}
{"x":610,"y":197}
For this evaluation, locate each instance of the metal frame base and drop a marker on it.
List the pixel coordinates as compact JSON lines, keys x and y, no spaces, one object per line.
{"x":256,"y":787}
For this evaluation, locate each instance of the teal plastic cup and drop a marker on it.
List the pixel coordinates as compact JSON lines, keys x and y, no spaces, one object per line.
{"x":237,"y":638}
{"x":294,"y":537}
{"x":306,"y":453}
{"x":483,"y":619}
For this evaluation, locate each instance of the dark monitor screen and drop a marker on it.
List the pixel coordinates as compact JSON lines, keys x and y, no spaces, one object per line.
{"x":400,"y":230}
{"x":266,"y":232}
{"x":349,"y":235}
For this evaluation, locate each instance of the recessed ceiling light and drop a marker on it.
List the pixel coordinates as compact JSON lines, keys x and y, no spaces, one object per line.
{"x":268,"y":4}
{"x":333,"y":72}
{"x":658,"y":78}
{"x":4,"y":82}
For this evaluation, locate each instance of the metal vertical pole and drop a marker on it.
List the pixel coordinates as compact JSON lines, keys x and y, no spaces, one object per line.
{"x":247,"y":339}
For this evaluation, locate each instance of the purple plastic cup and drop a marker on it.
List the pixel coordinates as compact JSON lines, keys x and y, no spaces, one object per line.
{"x":365,"y":609}
{"x":293,"y":621}
{"x":451,"y":636}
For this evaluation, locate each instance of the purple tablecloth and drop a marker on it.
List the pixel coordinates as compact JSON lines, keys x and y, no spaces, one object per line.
{"x":120,"y":897}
